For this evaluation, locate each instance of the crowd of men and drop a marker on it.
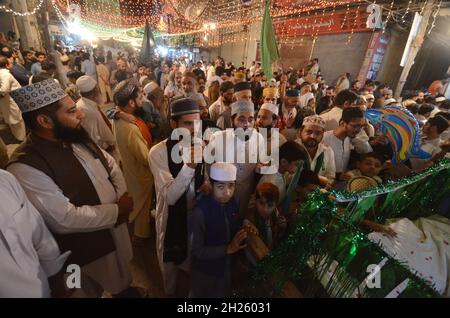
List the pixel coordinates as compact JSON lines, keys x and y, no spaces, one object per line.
{"x":100,"y":154}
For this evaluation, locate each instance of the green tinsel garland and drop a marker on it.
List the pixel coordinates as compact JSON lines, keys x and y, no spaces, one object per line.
{"x":322,"y":232}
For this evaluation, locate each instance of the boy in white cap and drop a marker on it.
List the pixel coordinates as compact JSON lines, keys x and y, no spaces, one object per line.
{"x":216,"y":235}
{"x":240,"y":147}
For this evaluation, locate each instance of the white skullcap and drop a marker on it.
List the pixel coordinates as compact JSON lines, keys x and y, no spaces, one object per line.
{"x":150,"y":87}
{"x":224,"y":172}
{"x":270,"y":107}
{"x":314,"y":120}
{"x":85,"y":83}
{"x":242,"y":106}
{"x":440,"y":99}
{"x":389,"y":101}
{"x":369,"y":96}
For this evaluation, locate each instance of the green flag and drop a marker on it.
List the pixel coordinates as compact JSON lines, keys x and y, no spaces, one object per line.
{"x":268,"y":43}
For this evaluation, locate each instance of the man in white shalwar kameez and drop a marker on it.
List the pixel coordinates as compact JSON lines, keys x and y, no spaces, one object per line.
{"x":29,"y":254}
{"x":175,"y":185}
{"x":8,"y":108}
{"x":95,"y":122}
{"x":77,"y":187}
{"x":244,"y":153}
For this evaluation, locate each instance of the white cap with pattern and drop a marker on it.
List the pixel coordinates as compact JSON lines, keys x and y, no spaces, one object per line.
{"x":314,"y":120}
{"x":37,"y":95}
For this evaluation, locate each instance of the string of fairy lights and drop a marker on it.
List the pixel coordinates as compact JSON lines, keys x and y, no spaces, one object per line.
{"x":186,"y":20}
{"x":22,"y":14}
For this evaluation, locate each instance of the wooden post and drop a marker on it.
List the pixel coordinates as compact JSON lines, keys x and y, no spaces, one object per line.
{"x":415,"y":47}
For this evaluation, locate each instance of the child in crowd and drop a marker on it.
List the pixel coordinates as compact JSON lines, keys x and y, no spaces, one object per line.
{"x":265,"y":216}
{"x":368,"y":165}
{"x":216,"y":235}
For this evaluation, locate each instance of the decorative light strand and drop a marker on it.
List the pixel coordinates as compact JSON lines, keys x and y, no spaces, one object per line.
{"x":406,"y":12}
{"x":433,"y":24}
{"x":388,"y":17}
{"x":23,"y":14}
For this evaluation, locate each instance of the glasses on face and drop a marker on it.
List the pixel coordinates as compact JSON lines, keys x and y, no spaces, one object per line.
{"x":356,"y":126}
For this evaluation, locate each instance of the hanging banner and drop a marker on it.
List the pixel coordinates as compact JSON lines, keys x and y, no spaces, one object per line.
{"x":329,"y":23}
{"x":374,"y":56}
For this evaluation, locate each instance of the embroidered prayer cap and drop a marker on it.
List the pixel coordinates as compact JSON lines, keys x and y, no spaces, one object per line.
{"x":292,"y":93}
{"x":123,"y":91}
{"x":183,"y":106}
{"x":440,"y":99}
{"x":270,"y":91}
{"x":150,"y":87}
{"x":85,"y":83}
{"x":270,"y":107}
{"x":242,"y":86}
{"x":223,"y":172}
{"x":314,"y":120}
{"x":242,"y":106}
{"x":37,"y":95}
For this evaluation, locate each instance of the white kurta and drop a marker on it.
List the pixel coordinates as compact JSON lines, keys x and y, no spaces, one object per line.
{"x":29,"y":253}
{"x":111,"y":271}
{"x":217,"y":108}
{"x":341,"y":148}
{"x":328,"y":169}
{"x":94,"y":123}
{"x":168,"y":191}
{"x":8,"y":107}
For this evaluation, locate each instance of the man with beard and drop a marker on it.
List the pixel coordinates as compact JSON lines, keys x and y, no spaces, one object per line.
{"x":77,"y":187}
{"x":204,"y":113}
{"x":134,"y":141}
{"x":95,"y":122}
{"x":223,"y":103}
{"x":242,"y":92}
{"x":190,"y":86}
{"x":320,"y":156}
{"x":326,"y":101}
{"x":289,"y":109}
{"x":339,"y":139}
{"x":266,"y":119}
{"x":176,"y":186}
{"x":241,"y":147}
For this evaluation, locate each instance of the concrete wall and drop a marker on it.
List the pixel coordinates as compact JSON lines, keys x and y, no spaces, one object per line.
{"x":241,"y":51}
{"x":336,"y":57}
{"x":296,"y":55}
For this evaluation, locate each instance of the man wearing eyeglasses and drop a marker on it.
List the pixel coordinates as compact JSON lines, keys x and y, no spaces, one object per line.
{"x":339,"y":139}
